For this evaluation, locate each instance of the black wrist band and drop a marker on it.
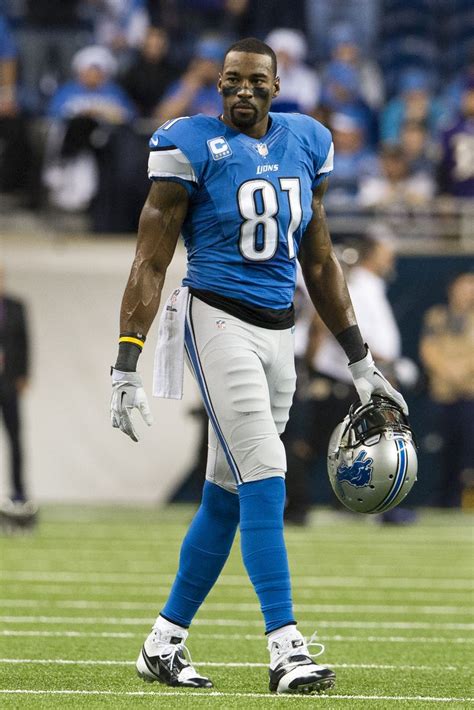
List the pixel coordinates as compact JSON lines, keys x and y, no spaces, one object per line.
{"x":352,"y":343}
{"x":127,"y":357}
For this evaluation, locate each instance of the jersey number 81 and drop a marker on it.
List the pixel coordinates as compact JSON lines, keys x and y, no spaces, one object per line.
{"x":259,"y":207}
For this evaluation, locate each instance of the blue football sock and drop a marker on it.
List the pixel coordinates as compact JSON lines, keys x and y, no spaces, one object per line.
{"x":263,"y":548}
{"x":204,"y":552}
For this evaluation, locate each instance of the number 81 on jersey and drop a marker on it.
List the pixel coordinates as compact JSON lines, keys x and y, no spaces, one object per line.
{"x":259,"y":207}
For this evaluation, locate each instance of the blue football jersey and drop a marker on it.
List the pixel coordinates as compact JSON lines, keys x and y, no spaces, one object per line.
{"x":250,"y":200}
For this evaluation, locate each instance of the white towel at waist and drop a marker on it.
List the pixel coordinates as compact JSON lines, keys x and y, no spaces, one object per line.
{"x":168,"y":369}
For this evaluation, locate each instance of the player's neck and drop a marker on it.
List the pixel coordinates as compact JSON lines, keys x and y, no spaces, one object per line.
{"x":256,"y":131}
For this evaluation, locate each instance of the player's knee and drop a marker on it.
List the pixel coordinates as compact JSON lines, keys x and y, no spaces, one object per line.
{"x":268,"y":459}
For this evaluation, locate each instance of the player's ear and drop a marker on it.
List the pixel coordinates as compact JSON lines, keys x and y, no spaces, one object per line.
{"x":276,"y":87}
{"x":219,"y":83}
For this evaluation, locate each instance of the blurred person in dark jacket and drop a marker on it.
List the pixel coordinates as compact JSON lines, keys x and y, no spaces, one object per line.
{"x":446,"y":350}
{"x":150,"y":73}
{"x":15,"y":510}
{"x":15,"y":149}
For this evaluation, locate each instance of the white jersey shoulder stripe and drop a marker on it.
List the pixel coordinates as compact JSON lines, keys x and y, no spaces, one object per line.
{"x":328,"y":164}
{"x":170,"y":163}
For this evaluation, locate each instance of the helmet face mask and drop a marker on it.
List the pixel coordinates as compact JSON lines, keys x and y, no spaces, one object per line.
{"x":372,"y":460}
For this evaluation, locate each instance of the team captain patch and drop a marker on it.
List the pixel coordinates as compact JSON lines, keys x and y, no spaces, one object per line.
{"x":219,"y":148}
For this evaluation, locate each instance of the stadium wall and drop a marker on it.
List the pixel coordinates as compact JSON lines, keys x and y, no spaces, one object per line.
{"x":73,"y":289}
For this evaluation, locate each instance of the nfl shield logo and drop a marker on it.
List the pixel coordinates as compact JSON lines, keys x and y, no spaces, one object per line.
{"x":262,"y":149}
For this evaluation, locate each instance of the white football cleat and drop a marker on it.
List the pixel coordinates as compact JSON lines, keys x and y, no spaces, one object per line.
{"x":163,"y":659}
{"x":292,"y":669}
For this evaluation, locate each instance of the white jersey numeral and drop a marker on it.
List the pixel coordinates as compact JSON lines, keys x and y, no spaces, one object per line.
{"x":258,"y":205}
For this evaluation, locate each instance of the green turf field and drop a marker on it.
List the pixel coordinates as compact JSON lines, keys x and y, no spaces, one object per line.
{"x":392,"y":605}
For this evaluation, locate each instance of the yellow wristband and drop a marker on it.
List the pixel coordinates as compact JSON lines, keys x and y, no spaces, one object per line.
{"x":135,"y":341}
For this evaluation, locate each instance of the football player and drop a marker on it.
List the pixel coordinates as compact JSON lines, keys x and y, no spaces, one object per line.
{"x":245,"y":189}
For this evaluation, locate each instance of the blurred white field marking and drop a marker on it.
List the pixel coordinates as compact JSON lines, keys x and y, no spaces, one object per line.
{"x":206,"y":694}
{"x":245,"y":607}
{"x":392,"y":595}
{"x":126,"y":621}
{"x":238,"y":637}
{"x":118,"y":542}
{"x":218,"y":664}
{"x":238,"y":579}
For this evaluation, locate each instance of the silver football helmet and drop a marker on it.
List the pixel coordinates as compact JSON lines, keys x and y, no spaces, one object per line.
{"x":372,"y":460}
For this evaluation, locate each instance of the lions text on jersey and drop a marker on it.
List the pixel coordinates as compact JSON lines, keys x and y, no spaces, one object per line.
{"x":250,"y":200}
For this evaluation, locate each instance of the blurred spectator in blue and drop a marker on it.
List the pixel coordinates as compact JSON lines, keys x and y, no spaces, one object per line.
{"x":196,"y":91}
{"x":414,"y":102}
{"x":353,"y":160}
{"x":361,"y":15}
{"x":395,"y":190}
{"x":344,"y":47}
{"x":79,"y":108}
{"x":300,"y":87}
{"x":418,"y":148}
{"x":456,"y":164}
{"x":120,"y":25}
{"x":150,"y":73}
{"x":92,"y":92}
{"x":341,"y":94}
{"x":50,"y":34}
{"x":454,"y":89}
{"x":14,"y":143}
{"x":446,"y":352}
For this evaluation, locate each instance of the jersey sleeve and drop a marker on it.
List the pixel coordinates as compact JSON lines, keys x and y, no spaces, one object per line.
{"x":322,"y":150}
{"x":176,"y":154}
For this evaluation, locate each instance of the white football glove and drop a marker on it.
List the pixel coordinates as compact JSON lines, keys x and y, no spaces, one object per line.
{"x":368,"y":380}
{"x":128,"y":394}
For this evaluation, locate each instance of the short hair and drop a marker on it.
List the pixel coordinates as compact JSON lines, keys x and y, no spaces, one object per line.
{"x":252,"y":45}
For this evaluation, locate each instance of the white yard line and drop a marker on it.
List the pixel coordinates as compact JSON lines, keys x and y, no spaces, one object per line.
{"x":206,"y":694}
{"x":216,"y":664}
{"x":246,"y":607}
{"x":239,"y":637}
{"x":95,"y":590}
{"x":238,"y":580}
{"x":128,"y":621}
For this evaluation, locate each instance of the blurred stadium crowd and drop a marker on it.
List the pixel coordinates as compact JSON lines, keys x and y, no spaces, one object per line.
{"x":84,"y":83}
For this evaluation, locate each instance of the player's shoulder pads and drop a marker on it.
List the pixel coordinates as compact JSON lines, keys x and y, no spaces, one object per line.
{"x":178,"y":150}
{"x":315,"y":139}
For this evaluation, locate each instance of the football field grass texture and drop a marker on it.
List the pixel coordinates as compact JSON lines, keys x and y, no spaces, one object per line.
{"x":392,"y":604}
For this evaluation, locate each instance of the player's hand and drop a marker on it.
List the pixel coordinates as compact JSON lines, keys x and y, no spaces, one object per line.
{"x":368,"y":380}
{"x":128,"y":394}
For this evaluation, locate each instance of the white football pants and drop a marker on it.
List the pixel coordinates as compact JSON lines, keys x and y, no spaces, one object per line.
{"x":247,"y":379}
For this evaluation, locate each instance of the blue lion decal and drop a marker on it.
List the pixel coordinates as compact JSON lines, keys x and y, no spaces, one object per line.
{"x":359,"y":474}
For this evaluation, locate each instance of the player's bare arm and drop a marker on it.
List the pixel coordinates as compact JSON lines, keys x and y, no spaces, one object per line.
{"x":328,"y":290}
{"x":160,"y":224}
{"x":159,"y":228}
{"x":322,"y":272}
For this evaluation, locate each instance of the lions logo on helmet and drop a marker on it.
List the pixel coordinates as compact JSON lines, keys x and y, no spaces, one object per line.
{"x":359,"y":474}
{"x":372,"y":460}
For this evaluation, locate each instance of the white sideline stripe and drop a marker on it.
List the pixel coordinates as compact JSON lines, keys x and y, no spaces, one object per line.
{"x":396,"y":596}
{"x":237,"y":637}
{"x":127,"y":621}
{"x":238,"y":580}
{"x":203,"y":694}
{"x":217,"y":664}
{"x":224,"y":606}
